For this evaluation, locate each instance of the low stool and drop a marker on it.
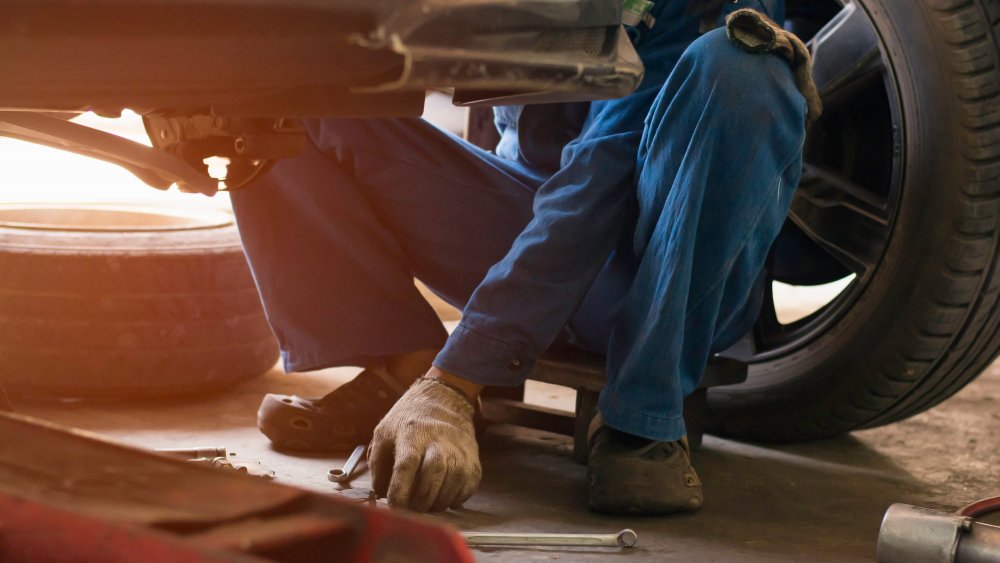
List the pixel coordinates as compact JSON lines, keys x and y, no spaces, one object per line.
{"x":584,"y":372}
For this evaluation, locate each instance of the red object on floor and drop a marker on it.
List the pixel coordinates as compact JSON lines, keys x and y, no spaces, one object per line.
{"x":980,"y":508}
{"x":67,"y":496}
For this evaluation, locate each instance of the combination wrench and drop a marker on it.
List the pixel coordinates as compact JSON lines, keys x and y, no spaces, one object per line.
{"x":624,"y":538}
{"x":345,"y":474}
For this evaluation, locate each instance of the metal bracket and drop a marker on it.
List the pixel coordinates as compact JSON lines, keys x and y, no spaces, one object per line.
{"x":153,"y":166}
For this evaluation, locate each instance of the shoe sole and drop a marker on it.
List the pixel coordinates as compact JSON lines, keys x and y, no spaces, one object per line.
{"x":637,"y":487}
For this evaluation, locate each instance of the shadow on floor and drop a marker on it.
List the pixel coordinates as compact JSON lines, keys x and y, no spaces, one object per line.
{"x":820,"y":501}
{"x":235,"y":407}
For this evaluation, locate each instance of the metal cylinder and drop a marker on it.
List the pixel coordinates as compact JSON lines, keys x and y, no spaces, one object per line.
{"x":911,"y":534}
{"x":981,"y":544}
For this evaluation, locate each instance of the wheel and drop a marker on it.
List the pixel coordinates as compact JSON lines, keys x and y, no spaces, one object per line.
{"x":898,"y":210}
{"x":125,"y":302}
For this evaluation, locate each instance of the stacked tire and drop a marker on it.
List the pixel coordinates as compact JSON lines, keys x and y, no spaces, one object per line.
{"x":112,"y":302}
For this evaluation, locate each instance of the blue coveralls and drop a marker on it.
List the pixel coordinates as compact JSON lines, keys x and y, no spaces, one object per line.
{"x":638,"y":226}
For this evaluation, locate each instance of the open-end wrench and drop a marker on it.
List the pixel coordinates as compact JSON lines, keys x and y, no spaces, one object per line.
{"x":624,"y":538}
{"x":345,"y":474}
{"x":210,"y":452}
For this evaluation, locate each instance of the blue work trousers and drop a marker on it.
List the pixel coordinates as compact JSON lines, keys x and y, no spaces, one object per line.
{"x":336,"y":235}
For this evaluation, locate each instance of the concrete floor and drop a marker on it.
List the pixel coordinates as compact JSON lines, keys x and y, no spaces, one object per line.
{"x":810,"y":502}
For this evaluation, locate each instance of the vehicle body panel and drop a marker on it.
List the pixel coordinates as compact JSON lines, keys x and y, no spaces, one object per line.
{"x":256,"y":58}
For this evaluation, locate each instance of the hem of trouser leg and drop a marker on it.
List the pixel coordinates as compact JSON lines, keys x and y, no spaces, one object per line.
{"x":482,"y":359}
{"x":330,"y":356}
{"x":663,"y":429}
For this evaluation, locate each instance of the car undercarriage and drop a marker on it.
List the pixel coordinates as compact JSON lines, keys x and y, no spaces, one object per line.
{"x":227,"y":79}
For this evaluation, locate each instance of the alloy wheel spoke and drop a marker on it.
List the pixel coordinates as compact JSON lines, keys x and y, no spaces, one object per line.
{"x":849,"y":194}
{"x":844,"y":219}
{"x":846,"y":55}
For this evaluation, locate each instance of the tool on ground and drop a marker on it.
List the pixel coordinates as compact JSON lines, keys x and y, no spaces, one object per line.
{"x":624,"y":538}
{"x":345,"y":474}
{"x":911,"y":534}
{"x":195,"y":453}
{"x":214,"y":456}
{"x":219,"y":463}
{"x":226,"y":465}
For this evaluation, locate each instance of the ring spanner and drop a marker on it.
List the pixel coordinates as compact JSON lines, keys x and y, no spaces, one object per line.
{"x":624,"y":538}
{"x":347,"y":473}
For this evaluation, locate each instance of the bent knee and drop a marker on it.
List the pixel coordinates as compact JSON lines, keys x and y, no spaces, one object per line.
{"x":736,"y":72}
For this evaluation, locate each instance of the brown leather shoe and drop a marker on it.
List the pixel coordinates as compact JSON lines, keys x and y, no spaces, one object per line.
{"x":633,"y":475}
{"x":340,"y":421}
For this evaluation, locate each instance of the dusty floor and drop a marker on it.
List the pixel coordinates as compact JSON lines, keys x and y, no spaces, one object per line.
{"x":812,"y":502}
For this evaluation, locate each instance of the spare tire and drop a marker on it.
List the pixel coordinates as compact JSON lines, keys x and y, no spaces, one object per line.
{"x":117,"y":301}
{"x":900,"y":200}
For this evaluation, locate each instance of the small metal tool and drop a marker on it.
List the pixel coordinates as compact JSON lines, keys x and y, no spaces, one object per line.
{"x":624,"y":538}
{"x":344,"y":475}
{"x":220,"y":463}
{"x":210,"y":452}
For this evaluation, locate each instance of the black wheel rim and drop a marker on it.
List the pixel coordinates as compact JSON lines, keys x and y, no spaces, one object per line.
{"x":846,"y":206}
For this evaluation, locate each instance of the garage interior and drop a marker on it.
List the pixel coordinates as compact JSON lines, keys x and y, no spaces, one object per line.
{"x":818,"y":501}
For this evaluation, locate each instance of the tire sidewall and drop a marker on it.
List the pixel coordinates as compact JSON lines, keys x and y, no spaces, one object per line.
{"x":865,"y":340}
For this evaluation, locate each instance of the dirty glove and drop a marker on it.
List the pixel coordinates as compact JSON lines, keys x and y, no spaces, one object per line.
{"x":424,"y":453}
{"x":756,"y":33}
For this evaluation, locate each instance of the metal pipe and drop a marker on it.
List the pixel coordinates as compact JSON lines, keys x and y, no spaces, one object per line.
{"x":911,"y":534}
{"x":624,"y":538}
{"x":981,"y":544}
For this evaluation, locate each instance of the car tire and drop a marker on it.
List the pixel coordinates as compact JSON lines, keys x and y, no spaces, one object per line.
{"x":922,"y":322}
{"x":113,"y":302}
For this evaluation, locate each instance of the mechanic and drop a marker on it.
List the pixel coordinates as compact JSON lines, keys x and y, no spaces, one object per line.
{"x":636,"y":228}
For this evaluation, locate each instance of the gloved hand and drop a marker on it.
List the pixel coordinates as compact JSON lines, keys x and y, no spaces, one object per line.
{"x":424,"y":454}
{"x":756,"y":33}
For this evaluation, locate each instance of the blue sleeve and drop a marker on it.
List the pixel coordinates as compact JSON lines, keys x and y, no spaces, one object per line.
{"x":579,"y":214}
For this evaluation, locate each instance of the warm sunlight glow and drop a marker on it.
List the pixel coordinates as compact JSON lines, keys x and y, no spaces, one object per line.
{"x":40,"y":174}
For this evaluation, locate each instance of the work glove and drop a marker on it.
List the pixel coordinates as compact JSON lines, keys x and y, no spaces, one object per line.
{"x":424,"y":454}
{"x":756,"y":33}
